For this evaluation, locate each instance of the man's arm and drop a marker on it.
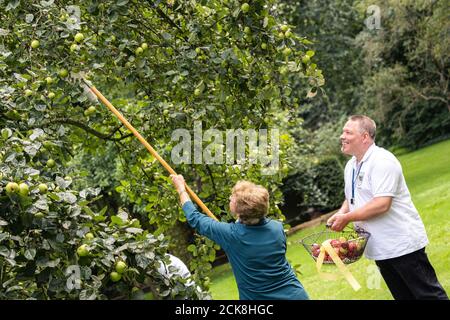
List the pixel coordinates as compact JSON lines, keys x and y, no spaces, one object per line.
{"x":375,"y":207}
{"x":343,"y":209}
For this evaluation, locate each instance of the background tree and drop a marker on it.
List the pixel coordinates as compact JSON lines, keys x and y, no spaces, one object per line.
{"x":397,"y":74}
{"x":406,"y":85}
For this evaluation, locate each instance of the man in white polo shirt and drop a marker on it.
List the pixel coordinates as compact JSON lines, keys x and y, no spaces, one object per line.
{"x":378,"y":200}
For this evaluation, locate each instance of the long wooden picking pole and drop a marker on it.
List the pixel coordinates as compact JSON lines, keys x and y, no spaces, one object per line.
{"x":149,"y":148}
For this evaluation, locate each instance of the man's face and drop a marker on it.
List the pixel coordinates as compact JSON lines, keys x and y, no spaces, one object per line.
{"x":352,"y":140}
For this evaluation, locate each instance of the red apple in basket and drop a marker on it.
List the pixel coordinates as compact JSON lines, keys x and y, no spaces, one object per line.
{"x":352,"y":246}
{"x":316,"y":252}
{"x":315,"y":249}
{"x":352,"y":249}
{"x":335,"y":243}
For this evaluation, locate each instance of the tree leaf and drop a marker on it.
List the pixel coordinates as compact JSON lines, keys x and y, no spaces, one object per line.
{"x":30,"y":254}
{"x":4,"y":251}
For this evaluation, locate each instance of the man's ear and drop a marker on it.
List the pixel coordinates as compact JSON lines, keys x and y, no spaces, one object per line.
{"x":366,"y":136}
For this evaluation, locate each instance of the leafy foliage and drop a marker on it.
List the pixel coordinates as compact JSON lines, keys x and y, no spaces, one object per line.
{"x":164,"y":65}
{"x":397,"y":74}
{"x":407,"y":61}
{"x":318,"y":187}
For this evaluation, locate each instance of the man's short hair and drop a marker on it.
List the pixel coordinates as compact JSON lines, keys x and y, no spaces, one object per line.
{"x":365,"y":124}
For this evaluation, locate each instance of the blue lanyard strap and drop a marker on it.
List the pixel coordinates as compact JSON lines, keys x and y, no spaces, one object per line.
{"x":354,"y":181}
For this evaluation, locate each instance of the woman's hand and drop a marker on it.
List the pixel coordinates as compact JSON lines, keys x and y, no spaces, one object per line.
{"x":180,"y":185}
{"x":178,"y":182}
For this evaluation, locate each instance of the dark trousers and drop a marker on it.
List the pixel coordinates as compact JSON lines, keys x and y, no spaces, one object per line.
{"x":411,"y":277}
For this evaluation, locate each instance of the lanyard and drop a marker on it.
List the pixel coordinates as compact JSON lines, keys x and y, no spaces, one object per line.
{"x":352,"y":200}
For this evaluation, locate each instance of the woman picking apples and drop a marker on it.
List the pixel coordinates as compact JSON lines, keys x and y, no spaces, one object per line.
{"x":255,"y":245}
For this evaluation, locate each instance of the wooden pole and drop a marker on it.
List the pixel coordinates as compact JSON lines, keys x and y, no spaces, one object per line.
{"x":149,"y":148}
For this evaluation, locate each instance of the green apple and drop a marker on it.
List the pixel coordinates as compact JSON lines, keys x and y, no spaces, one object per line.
{"x":245,"y":7}
{"x":63,"y":17}
{"x":82,"y":250}
{"x":284,"y":28}
{"x":50,"y":163}
{"x":144,"y":46}
{"x":90,"y":111}
{"x":121,"y":267}
{"x":12,"y":187}
{"x":264,"y":46}
{"x":63,"y":73}
{"x":139,"y":51}
{"x":287,"y":51}
{"x":305,"y":59}
{"x":197,"y":92}
{"x":43,"y":188}
{"x":134,"y":289}
{"x":49,"y":80}
{"x":115,"y":276}
{"x":89,"y":236}
{"x":283,"y":70}
{"x":79,"y":37}
{"x":51,"y":95}
{"x":247,"y":30}
{"x":5,"y":133}
{"x":35,"y":44}
{"x":198,"y":50}
{"x":28,"y":92}
{"x":23,"y":189}
{"x":74,"y":47}
{"x":39,"y":215}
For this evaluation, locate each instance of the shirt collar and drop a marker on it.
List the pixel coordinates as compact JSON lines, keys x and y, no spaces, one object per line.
{"x":261,"y":222}
{"x":367,"y":154}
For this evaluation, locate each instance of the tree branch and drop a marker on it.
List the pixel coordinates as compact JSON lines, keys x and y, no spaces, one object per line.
{"x":88,"y":129}
{"x":430,"y":97}
{"x":212,"y":178}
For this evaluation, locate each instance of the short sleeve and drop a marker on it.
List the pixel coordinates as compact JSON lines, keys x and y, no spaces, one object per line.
{"x":386,"y":177}
{"x":219,"y":232}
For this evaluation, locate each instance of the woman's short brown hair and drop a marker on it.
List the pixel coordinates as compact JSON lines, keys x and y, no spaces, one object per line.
{"x":252,"y":201}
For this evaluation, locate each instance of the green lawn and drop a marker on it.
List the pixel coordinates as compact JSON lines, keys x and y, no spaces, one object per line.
{"x":427,"y":173}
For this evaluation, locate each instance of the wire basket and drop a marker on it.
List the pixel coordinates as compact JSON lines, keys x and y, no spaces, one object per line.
{"x":349,"y":244}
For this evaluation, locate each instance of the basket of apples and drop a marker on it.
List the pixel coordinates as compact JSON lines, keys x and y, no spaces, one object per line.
{"x":348,"y":244}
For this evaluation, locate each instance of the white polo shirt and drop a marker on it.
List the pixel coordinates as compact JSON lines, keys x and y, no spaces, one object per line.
{"x":400,"y":230}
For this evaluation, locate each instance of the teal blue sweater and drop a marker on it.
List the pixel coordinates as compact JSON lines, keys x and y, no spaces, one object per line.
{"x":257,"y":255}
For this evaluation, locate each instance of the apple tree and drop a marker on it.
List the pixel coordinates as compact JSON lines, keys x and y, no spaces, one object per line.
{"x":165,"y":65}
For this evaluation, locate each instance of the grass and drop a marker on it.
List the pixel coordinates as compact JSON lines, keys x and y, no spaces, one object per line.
{"x":427,"y":173}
